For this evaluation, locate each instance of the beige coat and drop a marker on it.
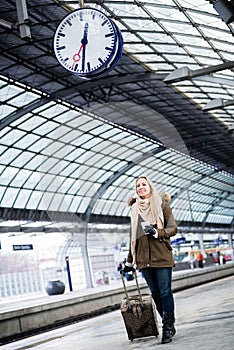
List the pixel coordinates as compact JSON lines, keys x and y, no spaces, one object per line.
{"x":151,"y":252}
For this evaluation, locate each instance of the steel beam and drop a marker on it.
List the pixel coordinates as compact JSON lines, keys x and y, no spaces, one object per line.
{"x":217,"y":103}
{"x":113,"y":81}
{"x":215,"y":80}
{"x":184,"y":73}
{"x":22,"y":111}
{"x":22,"y":12}
{"x":5,"y":23}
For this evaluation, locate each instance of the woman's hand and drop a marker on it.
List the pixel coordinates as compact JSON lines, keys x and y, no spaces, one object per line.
{"x":150,"y":230}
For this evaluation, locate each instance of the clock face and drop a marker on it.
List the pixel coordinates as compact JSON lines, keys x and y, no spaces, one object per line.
{"x":86,"y":42}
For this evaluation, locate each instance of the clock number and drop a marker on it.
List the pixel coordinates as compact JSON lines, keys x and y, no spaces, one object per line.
{"x":61,"y":48}
{"x":108,"y":35}
{"x":103,"y":23}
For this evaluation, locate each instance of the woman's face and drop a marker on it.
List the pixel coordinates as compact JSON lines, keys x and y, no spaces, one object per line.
{"x":142,"y":188}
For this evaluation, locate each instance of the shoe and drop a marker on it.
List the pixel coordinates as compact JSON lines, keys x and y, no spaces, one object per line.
{"x":168,"y":330}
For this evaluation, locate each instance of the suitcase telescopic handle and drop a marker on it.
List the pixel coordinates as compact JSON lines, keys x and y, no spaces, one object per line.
{"x":138,"y":288}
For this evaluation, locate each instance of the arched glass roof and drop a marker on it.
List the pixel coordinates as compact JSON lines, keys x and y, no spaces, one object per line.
{"x":57,"y":157}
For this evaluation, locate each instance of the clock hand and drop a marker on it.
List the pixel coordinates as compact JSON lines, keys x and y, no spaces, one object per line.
{"x":84,"y":41}
{"x":77,"y":56}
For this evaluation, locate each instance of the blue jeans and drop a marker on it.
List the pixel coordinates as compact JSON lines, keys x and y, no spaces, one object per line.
{"x":159,"y":283}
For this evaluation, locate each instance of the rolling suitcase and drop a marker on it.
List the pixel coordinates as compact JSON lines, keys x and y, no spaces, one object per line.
{"x":139,"y":314}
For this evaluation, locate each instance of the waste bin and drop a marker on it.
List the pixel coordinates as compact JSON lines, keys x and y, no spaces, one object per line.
{"x":55,"y":287}
{"x":105,"y":278}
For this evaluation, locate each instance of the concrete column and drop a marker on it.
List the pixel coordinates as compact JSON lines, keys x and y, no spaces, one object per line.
{"x":82,"y":238}
{"x":200,"y":235}
{"x":230,"y":244}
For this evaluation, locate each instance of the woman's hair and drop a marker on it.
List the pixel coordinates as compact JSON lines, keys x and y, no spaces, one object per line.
{"x":132,"y":200}
{"x":164,"y":195}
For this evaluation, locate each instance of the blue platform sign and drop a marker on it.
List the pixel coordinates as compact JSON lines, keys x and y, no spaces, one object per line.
{"x":179,"y":240}
{"x":217,"y":241}
{"x":22,"y":247}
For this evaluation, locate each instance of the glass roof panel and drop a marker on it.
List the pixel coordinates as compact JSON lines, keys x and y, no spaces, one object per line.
{"x":5,"y":110}
{"x":9,"y":91}
{"x":22,"y":198}
{"x":53,"y":109}
{"x":31,"y":122}
{"x":34,"y":199}
{"x":22,"y":159}
{"x":12,"y":136}
{"x":23,"y":99}
{"x":56,"y":202}
{"x":32,"y":179}
{"x":66,"y":117}
{"x":8,"y":196}
{"x":67,"y":184}
{"x":65,"y":203}
{"x":9,"y":155}
{"x":44,"y":203}
{"x":8,"y":174}
{"x":20,"y":177}
{"x":35,"y":162}
{"x":27,"y":141}
{"x":45,"y":128}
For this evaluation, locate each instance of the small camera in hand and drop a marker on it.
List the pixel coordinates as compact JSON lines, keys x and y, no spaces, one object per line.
{"x":149,"y":230}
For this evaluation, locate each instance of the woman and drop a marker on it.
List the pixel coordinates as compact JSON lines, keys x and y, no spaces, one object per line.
{"x":152,"y":225}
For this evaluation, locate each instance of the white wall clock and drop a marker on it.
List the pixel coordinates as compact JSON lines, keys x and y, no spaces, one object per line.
{"x":87,"y":43}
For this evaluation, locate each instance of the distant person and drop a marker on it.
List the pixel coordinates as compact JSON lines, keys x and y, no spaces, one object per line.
{"x":200,"y":259}
{"x":218,"y":256}
{"x":192,"y":261}
{"x":152,"y":225}
{"x":224,"y":259}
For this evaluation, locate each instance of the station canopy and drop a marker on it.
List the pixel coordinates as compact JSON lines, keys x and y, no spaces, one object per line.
{"x":71,"y":148}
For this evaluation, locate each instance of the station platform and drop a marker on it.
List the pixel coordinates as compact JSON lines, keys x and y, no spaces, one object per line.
{"x":204,"y":320}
